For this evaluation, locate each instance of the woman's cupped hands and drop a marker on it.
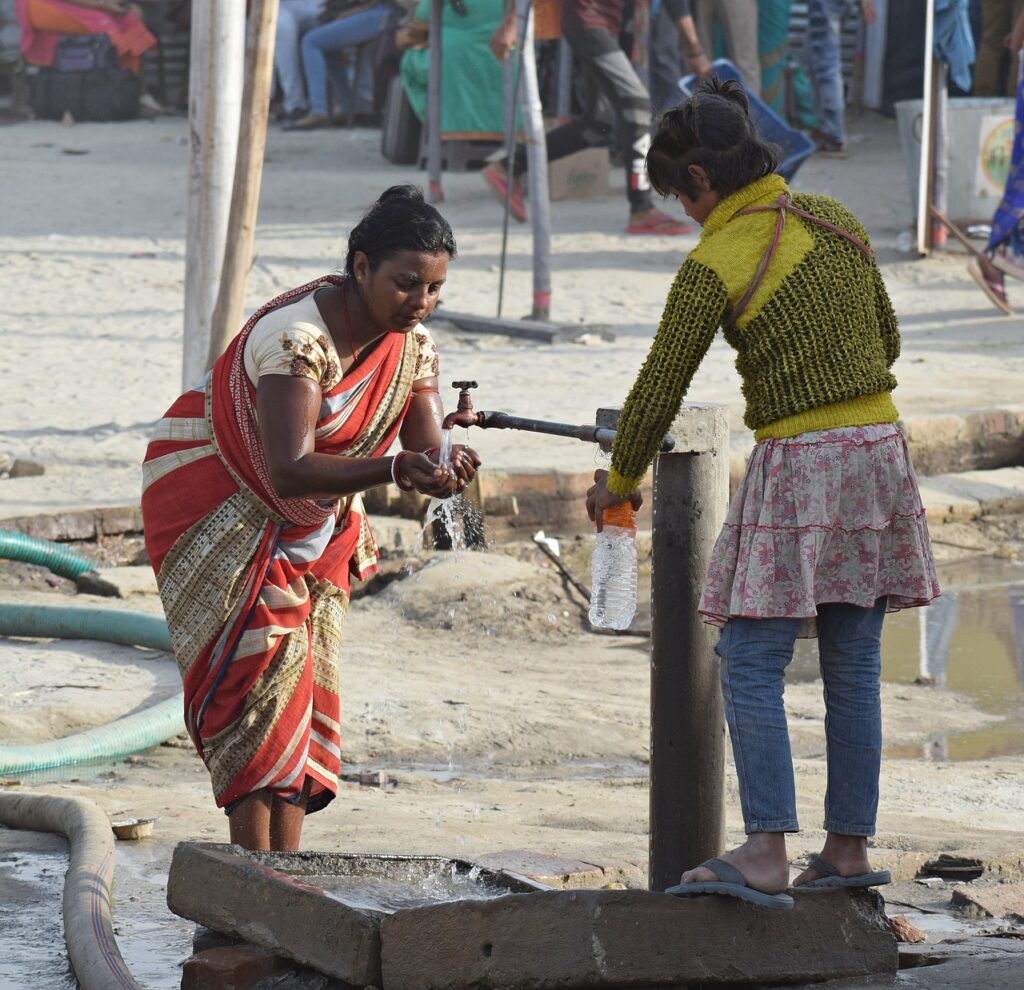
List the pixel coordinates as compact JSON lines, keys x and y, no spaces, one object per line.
{"x":441,"y":480}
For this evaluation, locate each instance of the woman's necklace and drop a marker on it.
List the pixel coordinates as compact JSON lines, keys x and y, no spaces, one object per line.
{"x":348,"y":323}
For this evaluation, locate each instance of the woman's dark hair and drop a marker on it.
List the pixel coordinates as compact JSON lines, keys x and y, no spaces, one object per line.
{"x":399,"y":221}
{"x":713,"y":129}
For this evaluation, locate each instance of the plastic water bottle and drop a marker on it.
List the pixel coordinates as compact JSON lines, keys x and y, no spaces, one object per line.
{"x":613,"y":584}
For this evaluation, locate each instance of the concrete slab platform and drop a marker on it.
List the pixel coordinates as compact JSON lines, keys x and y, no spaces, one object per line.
{"x":300,"y":905}
{"x":599,"y":938}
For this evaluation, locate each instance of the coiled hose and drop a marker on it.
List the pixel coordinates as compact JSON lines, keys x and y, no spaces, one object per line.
{"x":57,"y":559}
{"x":108,"y":742}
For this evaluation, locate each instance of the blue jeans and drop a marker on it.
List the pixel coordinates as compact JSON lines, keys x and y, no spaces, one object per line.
{"x":320,"y":50}
{"x":754,"y":655}
{"x":822,"y":58}
{"x":294,"y":18}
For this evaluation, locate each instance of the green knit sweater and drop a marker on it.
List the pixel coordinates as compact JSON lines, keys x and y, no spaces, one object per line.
{"x":819,"y":332}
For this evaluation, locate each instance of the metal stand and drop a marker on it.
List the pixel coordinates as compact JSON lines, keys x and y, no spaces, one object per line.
{"x":434,"y":104}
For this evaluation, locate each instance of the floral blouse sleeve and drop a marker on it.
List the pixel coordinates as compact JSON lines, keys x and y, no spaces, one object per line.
{"x":428,"y":364}
{"x":301,"y":350}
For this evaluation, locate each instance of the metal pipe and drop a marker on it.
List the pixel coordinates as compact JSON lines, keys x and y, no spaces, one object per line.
{"x":590,"y":433}
{"x":434,"y":103}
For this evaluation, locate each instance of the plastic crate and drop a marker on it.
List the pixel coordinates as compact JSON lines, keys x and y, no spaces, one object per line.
{"x":796,"y":145}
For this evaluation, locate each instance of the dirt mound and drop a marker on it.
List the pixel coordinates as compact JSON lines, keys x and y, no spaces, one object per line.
{"x":494,"y":594}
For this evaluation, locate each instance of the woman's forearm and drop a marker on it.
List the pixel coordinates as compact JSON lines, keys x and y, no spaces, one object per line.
{"x":329,"y":476}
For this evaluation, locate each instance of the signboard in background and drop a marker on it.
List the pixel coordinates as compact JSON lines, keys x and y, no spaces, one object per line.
{"x":995,"y":143}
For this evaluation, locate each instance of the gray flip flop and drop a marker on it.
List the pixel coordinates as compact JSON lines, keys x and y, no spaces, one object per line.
{"x":829,"y":877}
{"x":731,"y":883}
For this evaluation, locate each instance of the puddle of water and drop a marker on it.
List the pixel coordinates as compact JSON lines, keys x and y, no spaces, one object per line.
{"x":32,"y":868}
{"x":971,"y":640}
{"x":153,"y":942}
{"x":391,"y":894}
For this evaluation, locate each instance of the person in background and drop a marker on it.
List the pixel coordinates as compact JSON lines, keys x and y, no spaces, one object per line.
{"x":44,"y":21}
{"x":349,"y":25}
{"x":472,"y":95}
{"x":673,"y":30}
{"x":998,"y":18}
{"x":738,"y":20}
{"x":824,"y":65}
{"x":1004,"y":253}
{"x":612,"y":93}
{"x":294,"y":19}
{"x":826,"y":532}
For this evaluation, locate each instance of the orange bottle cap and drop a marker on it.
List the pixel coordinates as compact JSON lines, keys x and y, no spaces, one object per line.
{"x":621,"y":516}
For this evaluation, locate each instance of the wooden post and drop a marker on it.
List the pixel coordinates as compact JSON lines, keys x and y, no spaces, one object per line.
{"x":691,"y":493}
{"x":217,"y":48}
{"x":245,"y":197}
{"x":434,"y":104}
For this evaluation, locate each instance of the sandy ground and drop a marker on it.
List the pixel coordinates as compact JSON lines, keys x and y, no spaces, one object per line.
{"x":505,"y":725}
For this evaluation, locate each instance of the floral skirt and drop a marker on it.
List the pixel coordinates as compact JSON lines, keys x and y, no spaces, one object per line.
{"x":828,"y":516}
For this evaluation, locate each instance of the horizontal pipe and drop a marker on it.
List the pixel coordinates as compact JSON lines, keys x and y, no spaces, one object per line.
{"x":589,"y":433}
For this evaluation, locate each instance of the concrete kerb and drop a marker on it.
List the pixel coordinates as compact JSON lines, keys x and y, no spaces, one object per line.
{"x":969,"y":464}
{"x":543,"y":940}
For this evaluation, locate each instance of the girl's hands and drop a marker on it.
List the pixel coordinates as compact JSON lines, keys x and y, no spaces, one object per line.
{"x":599,"y":499}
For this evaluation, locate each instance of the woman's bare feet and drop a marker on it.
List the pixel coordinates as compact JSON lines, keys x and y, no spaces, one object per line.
{"x":761,"y":859}
{"x":847,"y":853}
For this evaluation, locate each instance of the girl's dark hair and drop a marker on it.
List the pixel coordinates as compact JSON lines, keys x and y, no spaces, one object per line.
{"x":399,"y":221}
{"x":713,"y":129}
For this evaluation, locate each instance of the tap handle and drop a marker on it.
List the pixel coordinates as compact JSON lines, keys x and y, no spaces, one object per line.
{"x":464,"y":386}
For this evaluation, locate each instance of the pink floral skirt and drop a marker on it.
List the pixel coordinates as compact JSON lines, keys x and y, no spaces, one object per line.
{"x":828,"y":516}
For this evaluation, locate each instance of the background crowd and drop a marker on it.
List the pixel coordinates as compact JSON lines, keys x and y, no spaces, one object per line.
{"x":343,"y":63}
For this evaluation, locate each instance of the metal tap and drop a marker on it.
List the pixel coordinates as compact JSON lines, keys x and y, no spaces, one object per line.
{"x":464,"y":414}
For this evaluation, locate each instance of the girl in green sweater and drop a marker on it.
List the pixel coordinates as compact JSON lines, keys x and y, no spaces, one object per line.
{"x":827,"y":532}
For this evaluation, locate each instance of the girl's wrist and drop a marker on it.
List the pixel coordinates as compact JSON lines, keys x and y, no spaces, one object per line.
{"x":396,"y":471}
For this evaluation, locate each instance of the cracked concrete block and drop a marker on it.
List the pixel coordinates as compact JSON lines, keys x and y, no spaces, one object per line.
{"x":597,"y":938}
{"x":991,"y":900}
{"x":231,"y":891}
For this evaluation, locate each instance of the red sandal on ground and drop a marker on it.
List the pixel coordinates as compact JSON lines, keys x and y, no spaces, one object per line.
{"x":658,"y":223}
{"x":992,"y":288}
{"x":497,"y":178}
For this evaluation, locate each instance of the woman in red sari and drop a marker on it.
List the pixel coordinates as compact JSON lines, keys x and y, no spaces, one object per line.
{"x":253,"y":518}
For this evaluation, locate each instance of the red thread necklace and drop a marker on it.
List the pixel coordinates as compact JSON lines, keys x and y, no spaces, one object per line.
{"x":348,"y":323}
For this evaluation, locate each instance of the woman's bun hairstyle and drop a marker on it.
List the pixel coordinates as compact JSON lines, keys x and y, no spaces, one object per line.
{"x":711,"y":128}
{"x":400,"y":220}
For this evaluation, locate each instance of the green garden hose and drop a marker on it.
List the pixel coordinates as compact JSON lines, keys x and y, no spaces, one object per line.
{"x":55,"y":558}
{"x":120,"y":738}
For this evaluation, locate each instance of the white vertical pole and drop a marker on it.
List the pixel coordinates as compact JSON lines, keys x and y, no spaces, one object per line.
{"x":217,"y":58}
{"x":924,"y":180}
{"x":537,"y":165}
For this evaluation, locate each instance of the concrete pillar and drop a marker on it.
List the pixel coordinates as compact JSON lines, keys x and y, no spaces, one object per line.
{"x":691,"y":494}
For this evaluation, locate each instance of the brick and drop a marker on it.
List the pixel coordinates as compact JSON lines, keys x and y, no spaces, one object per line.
{"x":992,"y":899}
{"x":230,"y":967}
{"x":116,"y":519}
{"x":611,"y":938}
{"x":521,"y":483}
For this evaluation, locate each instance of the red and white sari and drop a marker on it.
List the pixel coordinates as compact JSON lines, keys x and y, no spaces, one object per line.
{"x":255,"y":587}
